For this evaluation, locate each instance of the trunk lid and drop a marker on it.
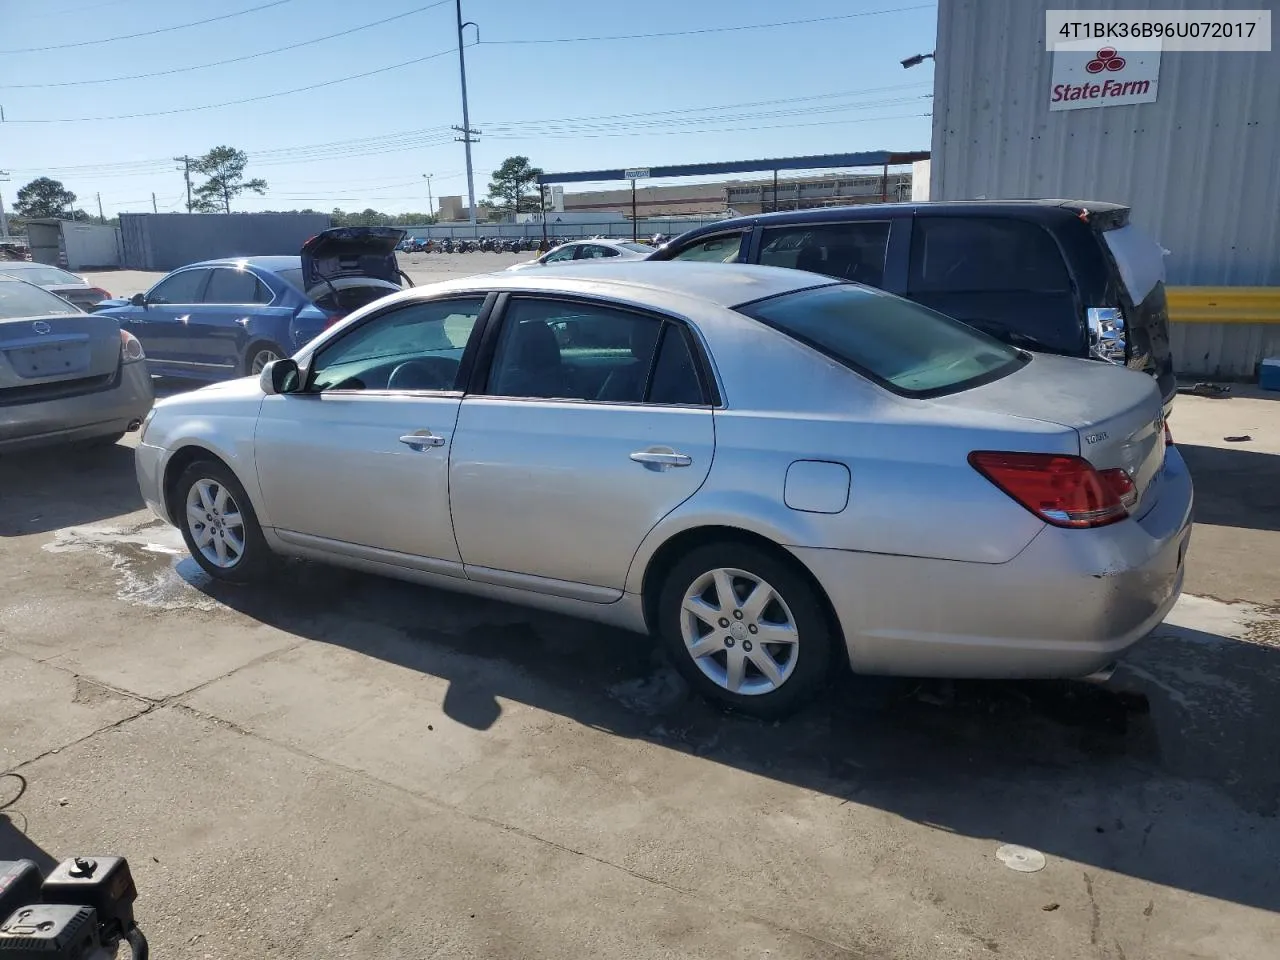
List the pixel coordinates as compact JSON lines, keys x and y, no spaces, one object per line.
{"x":351,"y":252}
{"x":54,"y":349}
{"x":1117,"y":414}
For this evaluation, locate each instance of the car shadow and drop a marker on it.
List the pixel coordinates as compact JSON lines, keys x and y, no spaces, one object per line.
{"x":1235,"y":486}
{"x":66,"y":486}
{"x":1068,"y":768}
{"x":14,"y":842}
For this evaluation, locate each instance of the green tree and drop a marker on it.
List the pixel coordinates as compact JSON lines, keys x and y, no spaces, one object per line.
{"x":224,"y":169}
{"x":511,"y":186}
{"x":44,"y":197}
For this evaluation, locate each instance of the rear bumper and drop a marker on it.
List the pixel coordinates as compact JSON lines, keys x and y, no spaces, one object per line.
{"x":84,"y":417}
{"x":1070,"y":603}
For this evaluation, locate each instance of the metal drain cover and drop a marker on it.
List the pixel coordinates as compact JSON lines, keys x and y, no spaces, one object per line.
{"x":1022,"y":859}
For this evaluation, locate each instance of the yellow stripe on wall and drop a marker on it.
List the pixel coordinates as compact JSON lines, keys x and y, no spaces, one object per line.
{"x":1224,"y":304}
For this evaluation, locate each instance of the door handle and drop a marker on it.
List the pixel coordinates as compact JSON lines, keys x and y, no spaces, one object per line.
{"x":420,"y":441}
{"x":659,"y":458}
{"x":184,"y":318}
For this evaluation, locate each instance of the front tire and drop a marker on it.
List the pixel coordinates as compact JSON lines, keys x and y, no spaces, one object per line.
{"x":745,"y":629}
{"x":218,"y":523}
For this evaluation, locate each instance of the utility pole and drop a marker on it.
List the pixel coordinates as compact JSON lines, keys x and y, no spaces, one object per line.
{"x":186,"y":175}
{"x":467,"y":133}
{"x":431,"y":205}
{"x":101,"y":216}
{"x":154,"y":208}
{"x":4,"y":219}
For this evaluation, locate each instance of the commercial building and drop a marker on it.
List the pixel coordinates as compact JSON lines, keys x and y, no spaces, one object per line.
{"x":1189,"y":140}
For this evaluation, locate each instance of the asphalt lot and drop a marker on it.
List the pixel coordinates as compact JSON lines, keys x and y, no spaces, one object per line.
{"x":337,"y":765}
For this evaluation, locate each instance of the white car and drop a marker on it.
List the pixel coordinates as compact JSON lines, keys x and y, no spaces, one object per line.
{"x":66,"y":285}
{"x":579,"y":250}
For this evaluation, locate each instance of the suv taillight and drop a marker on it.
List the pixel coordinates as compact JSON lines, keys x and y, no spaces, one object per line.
{"x":1060,"y":489}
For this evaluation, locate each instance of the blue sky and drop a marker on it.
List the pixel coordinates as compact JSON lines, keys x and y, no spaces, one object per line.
{"x":819,"y":87}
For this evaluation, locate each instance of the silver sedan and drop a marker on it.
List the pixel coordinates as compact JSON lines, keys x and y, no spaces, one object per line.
{"x":766,"y":468}
{"x":596,"y":251}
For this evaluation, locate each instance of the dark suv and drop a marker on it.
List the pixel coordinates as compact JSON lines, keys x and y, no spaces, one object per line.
{"x":1060,"y":276}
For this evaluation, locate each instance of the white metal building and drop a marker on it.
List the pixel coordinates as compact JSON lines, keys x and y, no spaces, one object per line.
{"x":1197,"y":158}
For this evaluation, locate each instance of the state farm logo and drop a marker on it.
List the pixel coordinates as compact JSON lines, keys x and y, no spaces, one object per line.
{"x":1084,"y":80}
{"x":1107,"y":59}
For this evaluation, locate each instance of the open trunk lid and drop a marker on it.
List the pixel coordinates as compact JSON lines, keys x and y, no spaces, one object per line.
{"x":1117,"y":414}
{"x":49,"y":350}
{"x":351,"y":252}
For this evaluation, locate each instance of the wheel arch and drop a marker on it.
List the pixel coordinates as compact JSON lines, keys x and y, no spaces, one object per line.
{"x":690,"y":538}
{"x":256,"y":342}
{"x":177,"y":464}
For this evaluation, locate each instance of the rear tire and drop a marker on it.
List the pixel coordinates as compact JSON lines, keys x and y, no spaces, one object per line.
{"x":218,"y":523}
{"x":259,"y":355}
{"x":745,"y":629}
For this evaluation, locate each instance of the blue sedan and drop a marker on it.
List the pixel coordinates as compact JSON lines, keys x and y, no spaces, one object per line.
{"x":221,"y":319}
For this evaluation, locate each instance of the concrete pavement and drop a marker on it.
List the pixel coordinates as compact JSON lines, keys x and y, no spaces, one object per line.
{"x":333,"y":764}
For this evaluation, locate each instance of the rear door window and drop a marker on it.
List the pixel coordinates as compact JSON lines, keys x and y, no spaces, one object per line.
{"x":849,"y":251}
{"x":723,"y":248}
{"x":973,"y":254}
{"x":235,"y":286}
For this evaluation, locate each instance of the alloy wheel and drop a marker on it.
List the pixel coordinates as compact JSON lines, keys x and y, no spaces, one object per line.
{"x":739,"y":631}
{"x":215,"y":523}
{"x":261,"y":359}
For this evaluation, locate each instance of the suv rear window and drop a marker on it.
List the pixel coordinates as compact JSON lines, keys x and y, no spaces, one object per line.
{"x":977,"y":254}
{"x":908,"y":348}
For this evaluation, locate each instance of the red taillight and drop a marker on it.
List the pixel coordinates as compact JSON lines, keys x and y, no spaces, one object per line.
{"x":333,"y":320}
{"x":1063,"y":490}
{"x":99,"y":293}
{"x":1168,"y":436}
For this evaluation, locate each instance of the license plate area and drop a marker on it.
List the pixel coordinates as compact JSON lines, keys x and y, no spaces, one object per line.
{"x":53,"y":360}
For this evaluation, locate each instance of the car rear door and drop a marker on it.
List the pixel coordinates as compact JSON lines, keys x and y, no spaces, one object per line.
{"x":235,"y":311}
{"x":1005,"y":276}
{"x":558,"y":472}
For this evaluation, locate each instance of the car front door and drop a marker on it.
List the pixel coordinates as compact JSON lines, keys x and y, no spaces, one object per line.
{"x":161,"y":324}
{"x":357,"y":463}
{"x":590,"y":424}
{"x":235,"y":310}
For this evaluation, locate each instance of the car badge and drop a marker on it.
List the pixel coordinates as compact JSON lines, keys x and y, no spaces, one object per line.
{"x":41,"y":327}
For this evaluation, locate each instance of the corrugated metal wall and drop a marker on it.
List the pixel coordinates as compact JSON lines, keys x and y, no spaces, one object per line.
{"x":163,"y":241}
{"x":1200,"y":166}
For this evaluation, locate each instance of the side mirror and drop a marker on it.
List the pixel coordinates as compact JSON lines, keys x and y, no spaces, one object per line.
{"x":138,"y":299}
{"x":280,"y":376}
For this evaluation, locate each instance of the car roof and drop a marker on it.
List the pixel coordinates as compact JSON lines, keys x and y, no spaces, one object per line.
{"x":723,"y":284}
{"x":870,"y":211}
{"x":262,"y":263}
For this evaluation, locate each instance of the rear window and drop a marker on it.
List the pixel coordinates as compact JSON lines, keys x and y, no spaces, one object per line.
{"x":47,"y":276}
{"x":25,"y":300}
{"x":908,"y":348}
{"x":980,"y":254}
{"x":1139,"y":259}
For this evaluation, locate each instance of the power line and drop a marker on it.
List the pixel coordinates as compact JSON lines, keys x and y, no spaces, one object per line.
{"x":243,"y":100}
{"x":665,"y":133}
{"x":223,"y":63}
{"x":705,"y":30}
{"x":150,"y":33}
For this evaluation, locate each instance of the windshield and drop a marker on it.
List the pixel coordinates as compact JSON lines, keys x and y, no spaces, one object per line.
{"x":906,"y":347}
{"x":18,"y":299}
{"x":45,"y":276}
